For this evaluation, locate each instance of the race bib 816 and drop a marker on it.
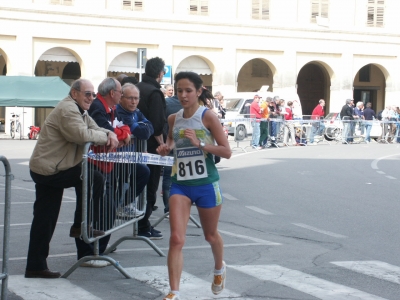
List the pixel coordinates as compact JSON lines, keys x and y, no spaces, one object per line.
{"x":191,"y":164}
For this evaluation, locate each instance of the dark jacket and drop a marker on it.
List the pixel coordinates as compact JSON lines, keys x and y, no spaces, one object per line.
{"x":369,"y":114}
{"x":346,"y":111}
{"x":137,"y":122}
{"x":152,"y":105}
{"x":173,"y":105}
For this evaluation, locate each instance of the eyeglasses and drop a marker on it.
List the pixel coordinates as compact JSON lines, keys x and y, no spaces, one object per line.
{"x":132,"y":98}
{"x":118,"y":91}
{"x":87,"y":93}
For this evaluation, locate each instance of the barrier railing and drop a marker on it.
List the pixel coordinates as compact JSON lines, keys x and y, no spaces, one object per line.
{"x":242,"y":128}
{"x":118,"y":204}
{"x":6,"y":232}
{"x":313,"y":130}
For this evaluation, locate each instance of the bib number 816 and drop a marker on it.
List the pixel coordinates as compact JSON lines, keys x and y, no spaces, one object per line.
{"x":198,"y":168}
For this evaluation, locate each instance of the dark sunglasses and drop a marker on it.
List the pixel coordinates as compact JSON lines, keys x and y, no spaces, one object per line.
{"x":88,"y":94}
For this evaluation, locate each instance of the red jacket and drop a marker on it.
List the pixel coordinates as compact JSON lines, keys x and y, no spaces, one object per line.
{"x":104,"y":116}
{"x":255,"y":110}
{"x":289,"y":115}
{"x":318,"y":112}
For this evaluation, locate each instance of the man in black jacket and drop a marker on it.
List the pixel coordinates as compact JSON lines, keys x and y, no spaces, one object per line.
{"x":152,"y":105}
{"x":346,"y":115}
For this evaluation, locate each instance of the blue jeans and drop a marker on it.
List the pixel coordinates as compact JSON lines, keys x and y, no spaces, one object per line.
{"x":166,"y":186}
{"x":368,"y":127}
{"x":317,"y":129}
{"x":256,"y":134}
{"x":346,"y":131}
{"x":273,"y":128}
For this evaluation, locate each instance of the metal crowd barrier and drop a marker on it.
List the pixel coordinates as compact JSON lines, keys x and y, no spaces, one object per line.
{"x":242,"y":128}
{"x":6,"y":232}
{"x":319,"y":130}
{"x":356,"y":131}
{"x":117,"y":207}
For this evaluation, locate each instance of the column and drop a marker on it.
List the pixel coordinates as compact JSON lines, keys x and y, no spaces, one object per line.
{"x":225,"y":73}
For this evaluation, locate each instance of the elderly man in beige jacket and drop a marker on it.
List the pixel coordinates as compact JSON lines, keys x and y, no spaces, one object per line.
{"x":55,"y":164}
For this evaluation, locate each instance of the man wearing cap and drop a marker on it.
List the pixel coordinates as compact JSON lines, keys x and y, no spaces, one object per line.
{"x":255,"y":113}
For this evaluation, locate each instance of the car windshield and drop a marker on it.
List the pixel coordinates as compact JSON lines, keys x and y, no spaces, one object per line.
{"x":233,"y":104}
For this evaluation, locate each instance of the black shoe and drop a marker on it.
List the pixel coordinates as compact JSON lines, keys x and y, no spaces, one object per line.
{"x":155,"y":230}
{"x":42,"y":274}
{"x":151,"y":235}
{"x":75,"y":232}
{"x":155,"y":207}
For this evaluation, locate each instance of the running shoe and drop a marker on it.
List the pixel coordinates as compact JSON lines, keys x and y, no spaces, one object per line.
{"x":129,"y":212}
{"x":218,"y":283}
{"x":171,"y":296}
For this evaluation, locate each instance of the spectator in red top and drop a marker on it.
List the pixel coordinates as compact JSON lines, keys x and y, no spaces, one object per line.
{"x":255,"y":112}
{"x":317,"y":126}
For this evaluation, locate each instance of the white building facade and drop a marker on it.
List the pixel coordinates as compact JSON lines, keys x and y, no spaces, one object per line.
{"x":330,"y":49}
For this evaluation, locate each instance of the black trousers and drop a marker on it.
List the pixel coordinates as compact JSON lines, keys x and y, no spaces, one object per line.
{"x":152,"y":187}
{"x":49,"y":192}
{"x":138,"y":178}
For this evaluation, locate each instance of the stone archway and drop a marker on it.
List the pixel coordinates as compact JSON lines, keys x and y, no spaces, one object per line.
{"x":369,"y":86}
{"x":124,"y":63}
{"x":254,"y":74}
{"x":199,"y":65}
{"x":60,"y":62}
{"x":3,"y":71}
{"x":3,"y":63}
{"x":313,"y":84}
{"x":71,"y":72}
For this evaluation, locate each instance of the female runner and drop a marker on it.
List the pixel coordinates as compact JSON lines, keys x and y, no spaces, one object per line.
{"x":196,"y":135}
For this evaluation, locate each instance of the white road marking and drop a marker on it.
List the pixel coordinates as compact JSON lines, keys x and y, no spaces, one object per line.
{"x":151,"y":249}
{"x":320,"y":230}
{"x":380,"y":172}
{"x":374,"y":164}
{"x":229,"y":197}
{"x":47,"y":289}
{"x":259,"y":210}
{"x":191,"y":287}
{"x":390,"y":177}
{"x":13,"y":203}
{"x":249,"y":238}
{"x":377,"y":269}
{"x":29,"y":224}
{"x":25,"y":163}
{"x":31,"y":190}
{"x":305,"y":283}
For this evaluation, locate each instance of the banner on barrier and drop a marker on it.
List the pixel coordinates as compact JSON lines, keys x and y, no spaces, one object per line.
{"x":132,"y":157}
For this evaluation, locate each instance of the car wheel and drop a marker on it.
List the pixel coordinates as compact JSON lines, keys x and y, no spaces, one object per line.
{"x":331,"y":133}
{"x":240,"y":133}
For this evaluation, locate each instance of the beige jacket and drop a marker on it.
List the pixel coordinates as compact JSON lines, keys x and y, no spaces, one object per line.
{"x":62,"y":139}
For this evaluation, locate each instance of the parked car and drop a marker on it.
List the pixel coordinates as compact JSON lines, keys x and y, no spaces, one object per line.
{"x":238,"y":108}
{"x":334,"y":126}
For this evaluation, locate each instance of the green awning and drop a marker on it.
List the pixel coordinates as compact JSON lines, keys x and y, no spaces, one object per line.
{"x":25,"y":91}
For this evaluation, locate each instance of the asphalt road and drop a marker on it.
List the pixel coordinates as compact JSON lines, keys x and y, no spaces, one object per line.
{"x":315,"y":222}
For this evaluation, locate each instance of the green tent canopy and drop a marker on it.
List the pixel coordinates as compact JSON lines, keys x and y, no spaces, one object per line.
{"x":25,"y":91}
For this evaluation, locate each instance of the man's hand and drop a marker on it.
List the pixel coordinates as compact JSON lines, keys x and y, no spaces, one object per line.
{"x":127,"y":140}
{"x":163,"y":150}
{"x":112,"y":141}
